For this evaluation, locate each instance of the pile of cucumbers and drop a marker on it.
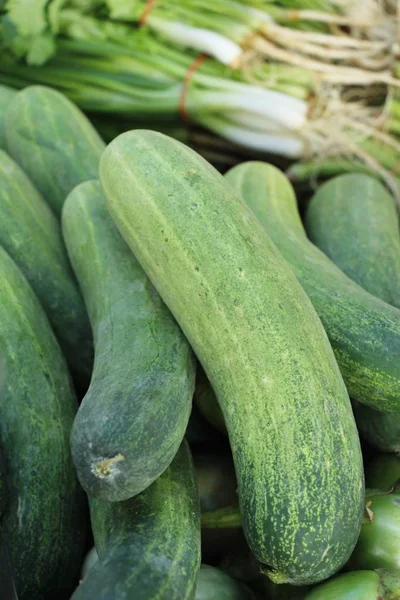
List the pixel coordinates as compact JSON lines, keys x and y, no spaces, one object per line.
{"x":186,"y":368}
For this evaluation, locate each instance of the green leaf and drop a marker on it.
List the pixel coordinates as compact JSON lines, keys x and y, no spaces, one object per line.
{"x":41,"y":49}
{"x":28,"y":16}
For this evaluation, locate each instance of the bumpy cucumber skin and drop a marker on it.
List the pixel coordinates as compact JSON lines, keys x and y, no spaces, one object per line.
{"x":290,"y":424}
{"x":31,"y":235}
{"x":44,"y":520}
{"x":214,"y":584}
{"x":149,"y":546}
{"x":353,"y":219}
{"x":140,"y":396}
{"x":53,"y":141}
{"x":6,"y":96}
{"x":364,"y":331}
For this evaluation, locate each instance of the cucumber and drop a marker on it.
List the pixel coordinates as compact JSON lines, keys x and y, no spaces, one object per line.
{"x":383,"y":472}
{"x":53,"y":141}
{"x":91,"y":559}
{"x":31,"y":235}
{"x":359,"y":585}
{"x":378,"y":545}
{"x":44,"y":520}
{"x":200,"y":433}
{"x":134,"y":416}
{"x":261,"y":344}
{"x":364,"y":331}
{"x":214,"y":584}
{"x":7,"y":94}
{"x":353,"y":219}
{"x":149,"y":546}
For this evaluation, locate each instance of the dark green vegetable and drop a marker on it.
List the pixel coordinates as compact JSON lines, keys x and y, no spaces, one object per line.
{"x":149,"y":546}
{"x":44,"y":519}
{"x":353,"y":219}
{"x":214,"y":584}
{"x":359,"y":585}
{"x":261,"y":344}
{"x":363,"y":330}
{"x":134,"y":416}
{"x":31,"y":235}
{"x":378,"y":545}
{"x":200,"y":432}
{"x":7,"y":94}
{"x":382,"y":472}
{"x":53,"y":141}
{"x":216,"y":480}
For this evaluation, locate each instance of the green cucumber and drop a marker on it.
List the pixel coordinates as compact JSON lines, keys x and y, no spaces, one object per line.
{"x":53,"y":141}
{"x":364,"y":331}
{"x":383,"y":472}
{"x":291,"y":429}
{"x":91,"y":559}
{"x":149,"y":546}
{"x":31,"y":235}
{"x":353,"y":219}
{"x":378,"y":545}
{"x":214,"y":584}
{"x":7,"y":94}
{"x":134,"y":416}
{"x":44,"y":519}
{"x":359,"y":585}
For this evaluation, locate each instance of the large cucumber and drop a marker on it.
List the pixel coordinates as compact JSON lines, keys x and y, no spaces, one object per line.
{"x":135,"y":413}
{"x":149,"y":546}
{"x":6,"y":96}
{"x":43,"y":522}
{"x":364,"y":331}
{"x":53,"y":141}
{"x":353,"y":219}
{"x":287,"y":412}
{"x":31,"y":235}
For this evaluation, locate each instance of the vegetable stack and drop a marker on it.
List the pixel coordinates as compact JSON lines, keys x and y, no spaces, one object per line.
{"x":179,"y":268}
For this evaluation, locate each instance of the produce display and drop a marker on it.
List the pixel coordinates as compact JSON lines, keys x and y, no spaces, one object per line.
{"x":199,"y":300}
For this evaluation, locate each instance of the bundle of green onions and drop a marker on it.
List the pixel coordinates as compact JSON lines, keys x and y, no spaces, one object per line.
{"x":309,"y":80}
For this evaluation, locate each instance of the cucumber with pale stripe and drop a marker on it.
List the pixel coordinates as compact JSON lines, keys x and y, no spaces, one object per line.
{"x":53,"y":141}
{"x":148,"y":546}
{"x":134,"y":416}
{"x":291,"y":429}
{"x":354,"y":220}
{"x":363,"y":330}
{"x":31,"y":235}
{"x":44,"y":519}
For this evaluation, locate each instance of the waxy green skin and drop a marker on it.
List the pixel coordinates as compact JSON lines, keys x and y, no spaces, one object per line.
{"x":53,"y":142}
{"x":261,"y":344}
{"x":149,"y":546}
{"x":378,"y":545}
{"x":354,"y":220}
{"x":382,"y":472}
{"x":31,"y":235}
{"x":44,"y":520}
{"x":214,"y":584}
{"x":359,"y":585}
{"x":363,"y":330}
{"x":140,"y":395}
{"x":7,"y":94}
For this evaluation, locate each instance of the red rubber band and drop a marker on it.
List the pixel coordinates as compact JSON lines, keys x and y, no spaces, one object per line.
{"x":186,"y":84}
{"x":146,"y":12}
